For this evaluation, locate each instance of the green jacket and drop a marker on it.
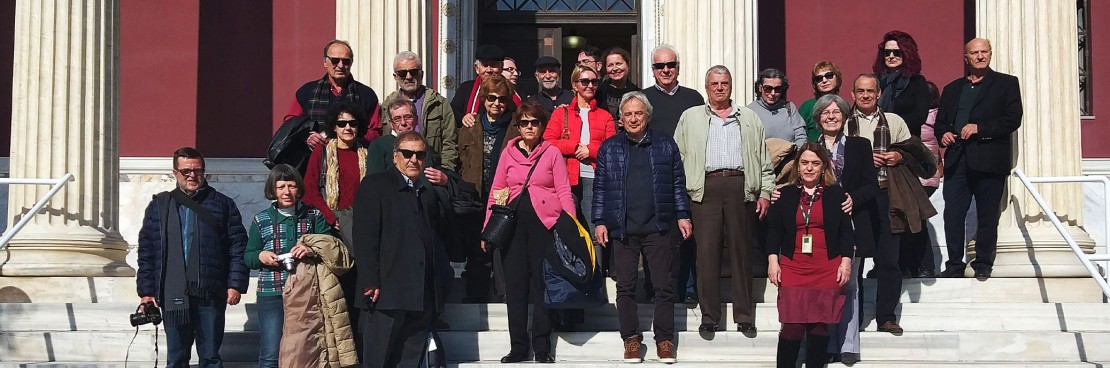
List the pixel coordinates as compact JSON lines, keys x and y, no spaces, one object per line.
{"x":812,"y":131}
{"x":438,"y":121}
{"x":692,"y":136}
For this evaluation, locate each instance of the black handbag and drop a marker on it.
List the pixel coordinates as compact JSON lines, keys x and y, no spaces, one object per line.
{"x":502,"y":219}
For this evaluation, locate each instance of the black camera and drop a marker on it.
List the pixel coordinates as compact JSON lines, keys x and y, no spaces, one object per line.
{"x":147,"y":313}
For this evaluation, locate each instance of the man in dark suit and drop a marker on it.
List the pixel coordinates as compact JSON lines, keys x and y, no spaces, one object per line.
{"x":977,"y":116}
{"x":403,"y":268}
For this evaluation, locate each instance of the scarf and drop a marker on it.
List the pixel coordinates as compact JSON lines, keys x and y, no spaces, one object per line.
{"x":331,"y":160}
{"x":806,"y":196}
{"x":320,"y":102}
{"x":773,"y":108}
{"x":892,"y":83}
{"x":836,"y":149}
{"x":176,"y":289}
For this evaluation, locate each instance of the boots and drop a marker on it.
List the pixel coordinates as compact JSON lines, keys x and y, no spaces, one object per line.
{"x":787,"y":356}
{"x":816,"y":355}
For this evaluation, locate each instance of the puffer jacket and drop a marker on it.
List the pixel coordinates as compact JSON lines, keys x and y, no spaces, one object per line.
{"x":668,"y":181}
{"x":564,"y":131}
{"x":317,"y":331}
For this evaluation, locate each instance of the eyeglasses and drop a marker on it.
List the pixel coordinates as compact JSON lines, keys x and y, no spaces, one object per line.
{"x":402,"y":118}
{"x":833,"y":112}
{"x":891,"y":52}
{"x":512,"y":71}
{"x":584,"y":61}
{"x":420,"y":155}
{"x":589,"y":82}
{"x":344,"y":123}
{"x":336,"y":60}
{"x":773,"y":89}
{"x":525,"y":123}
{"x":190,"y":172}
{"x":668,"y":65}
{"x":415,"y":73}
{"x":821,"y":77}
{"x":496,"y":98}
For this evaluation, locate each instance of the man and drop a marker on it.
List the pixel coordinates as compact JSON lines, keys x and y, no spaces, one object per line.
{"x":488,"y":60}
{"x":590,"y":56}
{"x":631,"y":164}
{"x":864,"y":120}
{"x":977,"y":115}
{"x":511,"y":73}
{"x":379,"y":155}
{"x":403,"y":268}
{"x":728,"y":177}
{"x":433,"y":115}
{"x":191,"y":261}
{"x":315,"y":98}
{"x":616,"y":82}
{"x":551,"y":93}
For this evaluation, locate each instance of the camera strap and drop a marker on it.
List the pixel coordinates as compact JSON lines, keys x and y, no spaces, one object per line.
{"x":127,"y":356}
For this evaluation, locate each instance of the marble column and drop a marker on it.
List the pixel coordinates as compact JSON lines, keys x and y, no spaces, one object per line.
{"x":378,"y":30}
{"x":65,"y":119}
{"x":1041,"y":50}
{"x":706,"y":33}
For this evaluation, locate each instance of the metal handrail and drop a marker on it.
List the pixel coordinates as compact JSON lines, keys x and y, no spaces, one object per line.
{"x":1086,"y":260}
{"x":56,"y":185}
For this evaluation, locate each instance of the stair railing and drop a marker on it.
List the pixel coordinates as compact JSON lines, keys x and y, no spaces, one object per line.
{"x":56,"y":185}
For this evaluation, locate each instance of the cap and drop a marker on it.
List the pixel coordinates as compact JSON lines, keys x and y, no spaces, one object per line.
{"x":489,"y":52}
{"x":547,"y":61}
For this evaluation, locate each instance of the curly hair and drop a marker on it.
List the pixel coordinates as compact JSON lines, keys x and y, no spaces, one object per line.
{"x":911,"y":60}
{"x":496,"y":84}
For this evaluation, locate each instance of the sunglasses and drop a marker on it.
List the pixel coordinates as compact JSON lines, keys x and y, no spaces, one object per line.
{"x":821,"y":77}
{"x":420,"y":155}
{"x":891,"y":52}
{"x":525,"y":123}
{"x":589,"y":82}
{"x":769,"y":89}
{"x":344,"y":123}
{"x":496,"y":98}
{"x":668,"y":65}
{"x":415,"y":73}
{"x":190,"y":172}
{"x":336,"y":60}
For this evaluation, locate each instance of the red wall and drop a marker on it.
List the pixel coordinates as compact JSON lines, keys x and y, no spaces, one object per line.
{"x":300,"y":30}
{"x":1095,"y":131}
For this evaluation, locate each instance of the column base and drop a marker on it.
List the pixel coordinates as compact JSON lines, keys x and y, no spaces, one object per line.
{"x":1038,"y":251}
{"x":65,"y":251}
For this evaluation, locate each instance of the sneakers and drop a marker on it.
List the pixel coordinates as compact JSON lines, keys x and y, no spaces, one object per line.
{"x":632,"y":349}
{"x":665,"y":350}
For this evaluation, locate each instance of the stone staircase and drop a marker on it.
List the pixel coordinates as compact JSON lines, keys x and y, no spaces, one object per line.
{"x":949,"y":322}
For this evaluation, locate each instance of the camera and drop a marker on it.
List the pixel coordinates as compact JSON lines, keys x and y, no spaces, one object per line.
{"x":287,"y":261}
{"x":147,"y":313}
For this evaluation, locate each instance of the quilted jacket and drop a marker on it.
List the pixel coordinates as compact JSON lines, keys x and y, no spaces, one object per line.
{"x":668,"y":181}
{"x":317,"y":330}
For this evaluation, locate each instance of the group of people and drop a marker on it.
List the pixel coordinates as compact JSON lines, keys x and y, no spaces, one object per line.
{"x":353,"y":255}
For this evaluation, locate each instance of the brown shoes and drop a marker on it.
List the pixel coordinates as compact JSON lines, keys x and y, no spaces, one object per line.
{"x":632,"y":349}
{"x":891,"y":327}
{"x":665,"y":349}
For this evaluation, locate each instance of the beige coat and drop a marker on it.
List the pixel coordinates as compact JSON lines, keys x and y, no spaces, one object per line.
{"x":317,"y":331}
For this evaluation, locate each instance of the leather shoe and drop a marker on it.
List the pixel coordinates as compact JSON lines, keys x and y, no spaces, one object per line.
{"x":747,"y":328}
{"x":545,"y":358}
{"x":982,"y":275}
{"x":952,"y":273}
{"x":707,"y":327}
{"x":514,"y":358}
{"x":891,"y":327}
{"x":926,"y":274}
{"x":849,"y":359}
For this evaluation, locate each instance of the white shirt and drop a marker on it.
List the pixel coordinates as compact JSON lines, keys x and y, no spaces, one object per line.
{"x":585,"y":170}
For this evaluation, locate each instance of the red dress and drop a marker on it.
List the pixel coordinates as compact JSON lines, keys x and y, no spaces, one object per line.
{"x":808,"y":292}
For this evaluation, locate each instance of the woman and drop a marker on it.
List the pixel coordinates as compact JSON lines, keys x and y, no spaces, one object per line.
{"x":780,"y":117}
{"x":917,"y":258}
{"x":274,"y":232}
{"x":826,"y":79}
{"x":542,"y":196}
{"x":809,"y":247}
{"x":904,"y":91}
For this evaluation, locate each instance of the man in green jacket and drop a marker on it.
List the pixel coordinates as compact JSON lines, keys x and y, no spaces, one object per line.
{"x":434,"y":117}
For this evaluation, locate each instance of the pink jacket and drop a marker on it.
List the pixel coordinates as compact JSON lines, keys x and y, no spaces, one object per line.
{"x":930,"y":142}
{"x":549,"y":186}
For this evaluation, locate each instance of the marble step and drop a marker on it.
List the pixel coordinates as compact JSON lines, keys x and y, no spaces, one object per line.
{"x":482,"y":317}
{"x":464,"y":346}
{"x":604,"y":364}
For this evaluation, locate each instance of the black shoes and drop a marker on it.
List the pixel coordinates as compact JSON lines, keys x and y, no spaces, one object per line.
{"x":926,"y":274}
{"x":849,"y":359}
{"x":707,"y":330}
{"x":952,"y":273}
{"x":544,"y":358}
{"x":982,"y":275}
{"x":514,"y":358}
{"x":691,"y":301}
{"x":747,"y":328}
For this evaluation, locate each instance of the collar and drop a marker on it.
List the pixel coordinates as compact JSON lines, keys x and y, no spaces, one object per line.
{"x":419,"y":93}
{"x":644,"y":141}
{"x":593,"y":104}
{"x":732,"y":104}
{"x":405,"y":183}
{"x":873,"y":115}
{"x":664,"y":90}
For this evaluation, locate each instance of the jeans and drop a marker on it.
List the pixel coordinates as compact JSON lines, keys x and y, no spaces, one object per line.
{"x":271,"y":319}
{"x":206,"y":326}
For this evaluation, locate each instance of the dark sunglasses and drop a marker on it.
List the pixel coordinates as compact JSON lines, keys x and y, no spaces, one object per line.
{"x":420,"y":155}
{"x":524,"y":123}
{"x":820,"y":77}
{"x":189,"y":172}
{"x":668,"y":65}
{"x":891,"y":52}
{"x":415,"y":73}
{"x":344,"y":123}
{"x":336,"y":60}
{"x":495,"y":98}
{"x":769,"y":89}
{"x":588,"y":81}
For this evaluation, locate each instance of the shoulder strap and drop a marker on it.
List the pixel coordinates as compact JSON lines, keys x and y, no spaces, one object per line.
{"x":526,"y":180}
{"x":566,"y":123}
{"x":201,"y":212}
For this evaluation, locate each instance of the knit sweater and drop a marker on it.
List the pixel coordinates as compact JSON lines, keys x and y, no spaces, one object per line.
{"x":667,"y":108}
{"x":274,"y":232}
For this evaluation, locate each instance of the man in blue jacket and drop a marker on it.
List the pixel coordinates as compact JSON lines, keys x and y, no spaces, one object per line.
{"x":191,"y":261}
{"x":639,"y":193}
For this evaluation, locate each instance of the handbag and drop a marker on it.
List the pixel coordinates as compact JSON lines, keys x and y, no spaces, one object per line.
{"x":502,"y":219}
{"x":571,"y":269}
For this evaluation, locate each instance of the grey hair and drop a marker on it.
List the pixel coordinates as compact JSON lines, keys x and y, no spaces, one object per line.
{"x":398,"y":102}
{"x":408,"y":55}
{"x":409,"y":136}
{"x":341,"y":42}
{"x":717,"y":69}
{"x":664,"y":47}
{"x":823,"y":103}
{"x":639,"y":96}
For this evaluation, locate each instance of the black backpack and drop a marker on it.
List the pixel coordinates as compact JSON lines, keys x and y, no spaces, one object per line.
{"x":288,"y":145}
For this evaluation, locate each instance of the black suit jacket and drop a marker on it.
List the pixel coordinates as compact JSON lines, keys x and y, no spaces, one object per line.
{"x":997,"y":111}
{"x":913,"y":104}
{"x":860,"y":180}
{"x":390,"y":237}
{"x":782,"y":226}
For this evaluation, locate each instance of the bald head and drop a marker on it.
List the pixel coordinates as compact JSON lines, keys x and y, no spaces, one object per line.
{"x":977,"y":55}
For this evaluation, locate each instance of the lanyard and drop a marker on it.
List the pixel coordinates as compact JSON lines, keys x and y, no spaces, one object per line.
{"x":806,"y":211}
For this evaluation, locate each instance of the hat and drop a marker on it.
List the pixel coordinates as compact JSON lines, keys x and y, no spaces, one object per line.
{"x":489,"y":52}
{"x":547,"y":61}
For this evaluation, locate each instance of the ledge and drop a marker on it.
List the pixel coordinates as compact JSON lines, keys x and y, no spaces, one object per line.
{"x":215,"y":166}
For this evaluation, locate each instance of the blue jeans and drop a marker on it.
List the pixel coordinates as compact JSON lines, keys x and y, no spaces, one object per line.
{"x":206,"y":326}
{"x":271,"y":319}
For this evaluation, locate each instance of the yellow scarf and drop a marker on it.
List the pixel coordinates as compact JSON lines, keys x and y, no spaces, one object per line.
{"x":331,"y":185}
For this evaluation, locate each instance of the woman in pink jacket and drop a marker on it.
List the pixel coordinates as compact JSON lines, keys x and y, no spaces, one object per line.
{"x":547,"y":196}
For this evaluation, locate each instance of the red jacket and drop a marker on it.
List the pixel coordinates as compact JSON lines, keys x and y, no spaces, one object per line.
{"x":566,"y":136}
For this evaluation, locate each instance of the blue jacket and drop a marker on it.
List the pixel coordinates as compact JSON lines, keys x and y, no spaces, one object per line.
{"x":221,"y":260}
{"x":667,"y":176}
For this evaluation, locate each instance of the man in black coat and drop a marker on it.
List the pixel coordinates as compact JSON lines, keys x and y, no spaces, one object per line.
{"x":977,"y":116}
{"x":403,"y":267}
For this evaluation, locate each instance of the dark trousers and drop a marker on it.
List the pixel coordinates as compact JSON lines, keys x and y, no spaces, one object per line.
{"x":658,"y":251}
{"x":889,"y":286}
{"x":961,"y":184}
{"x":478,"y":268}
{"x":682,"y":271}
{"x":395,"y":338}
{"x":723,"y":217}
{"x":206,"y":327}
{"x":524,"y":283}
{"x":917,"y":248}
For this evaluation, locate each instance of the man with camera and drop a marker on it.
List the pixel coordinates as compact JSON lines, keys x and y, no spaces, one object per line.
{"x":191,"y":262}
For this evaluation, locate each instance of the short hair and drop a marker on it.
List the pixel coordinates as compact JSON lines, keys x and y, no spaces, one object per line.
{"x":624,"y":54}
{"x":771,"y":73}
{"x":409,"y":136}
{"x":934,"y":95}
{"x":591,"y":51}
{"x":637,"y":95}
{"x":341,"y":42}
{"x":356,"y":111}
{"x":507,"y":59}
{"x":579,"y":69}
{"x":911,"y":60}
{"x":717,"y":69}
{"x":407,"y":55}
{"x":496,"y":83}
{"x":878,"y":85}
{"x":827,"y":176}
{"x":397,"y":103}
{"x":825,"y":64}
{"x":533,"y":108}
{"x":283,"y":172}
{"x":664,"y":47}
{"x":823,"y":103}
{"x":188,"y":153}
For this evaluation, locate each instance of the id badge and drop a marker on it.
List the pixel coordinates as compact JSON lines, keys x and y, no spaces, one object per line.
{"x":807,"y":244}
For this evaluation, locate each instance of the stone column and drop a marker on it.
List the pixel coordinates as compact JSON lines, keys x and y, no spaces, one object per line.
{"x":707,"y":33}
{"x":1041,"y":50}
{"x":65,"y":119}
{"x":378,"y":30}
